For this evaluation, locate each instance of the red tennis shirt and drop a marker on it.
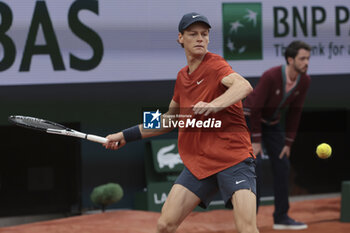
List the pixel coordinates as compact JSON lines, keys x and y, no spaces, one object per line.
{"x":208,"y":150}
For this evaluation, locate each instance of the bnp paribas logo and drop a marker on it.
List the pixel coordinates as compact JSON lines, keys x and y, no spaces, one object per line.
{"x":242,"y":31}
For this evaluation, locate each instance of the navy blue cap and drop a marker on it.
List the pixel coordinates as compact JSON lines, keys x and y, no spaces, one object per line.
{"x":191,"y":18}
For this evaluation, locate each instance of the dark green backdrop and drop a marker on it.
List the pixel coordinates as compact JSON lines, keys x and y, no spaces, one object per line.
{"x":103,"y":108}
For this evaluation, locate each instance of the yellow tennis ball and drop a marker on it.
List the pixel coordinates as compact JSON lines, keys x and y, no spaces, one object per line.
{"x":324,"y":151}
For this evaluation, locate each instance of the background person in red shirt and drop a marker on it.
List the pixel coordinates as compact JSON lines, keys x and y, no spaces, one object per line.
{"x":278,"y":88}
{"x":214,"y":159}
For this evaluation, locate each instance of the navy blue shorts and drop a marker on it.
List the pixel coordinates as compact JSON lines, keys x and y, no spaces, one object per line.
{"x":228,"y":181}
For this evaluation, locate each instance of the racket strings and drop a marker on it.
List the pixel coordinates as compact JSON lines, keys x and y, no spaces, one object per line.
{"x":36,"y":123}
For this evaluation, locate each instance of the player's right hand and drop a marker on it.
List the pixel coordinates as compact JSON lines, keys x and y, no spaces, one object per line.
{"x":115,"y":141}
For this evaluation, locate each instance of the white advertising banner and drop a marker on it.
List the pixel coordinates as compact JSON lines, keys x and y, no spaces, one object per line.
{"x":52,"y":42}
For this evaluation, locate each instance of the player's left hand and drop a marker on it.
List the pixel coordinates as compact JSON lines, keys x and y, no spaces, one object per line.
{"x":285,"y":152}
{"x":204,"y":108}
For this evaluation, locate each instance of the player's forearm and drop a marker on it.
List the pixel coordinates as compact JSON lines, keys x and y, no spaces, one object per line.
{"x":236,"y":92}
{"x":137,"y":132}
{"x":147,"y":133}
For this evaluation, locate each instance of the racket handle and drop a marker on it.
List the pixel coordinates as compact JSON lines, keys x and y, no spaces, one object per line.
{"x":98,"y":139}
{"x":95,"y":138}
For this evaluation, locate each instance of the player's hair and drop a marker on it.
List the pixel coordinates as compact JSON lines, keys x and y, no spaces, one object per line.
{"x":293,"y":48}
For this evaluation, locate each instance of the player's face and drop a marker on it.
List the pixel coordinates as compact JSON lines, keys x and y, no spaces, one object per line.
{"x":195,"y":39}
{"x":301,"y":62}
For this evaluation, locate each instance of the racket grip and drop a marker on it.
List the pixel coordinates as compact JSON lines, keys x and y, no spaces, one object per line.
{"x":95,"y":138}
{"x":98,"y":139}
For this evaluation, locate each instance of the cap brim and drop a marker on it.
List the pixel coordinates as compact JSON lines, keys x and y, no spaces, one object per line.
{"x":197,"y":21}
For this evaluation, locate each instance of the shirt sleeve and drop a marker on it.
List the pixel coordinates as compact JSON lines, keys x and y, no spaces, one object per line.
{"x":176,"y":96}
{"x":294,"y":113}
{"x":222,"y":69}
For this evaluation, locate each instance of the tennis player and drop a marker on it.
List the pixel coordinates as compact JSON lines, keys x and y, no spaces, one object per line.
{"x":215,"y":160}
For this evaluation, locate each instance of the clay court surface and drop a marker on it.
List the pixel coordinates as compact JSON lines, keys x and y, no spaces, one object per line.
{"x":322,"y":216}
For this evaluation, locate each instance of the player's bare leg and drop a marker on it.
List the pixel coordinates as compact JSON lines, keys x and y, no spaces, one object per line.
{"x":244,"y":202}
{"x":179,"y":204}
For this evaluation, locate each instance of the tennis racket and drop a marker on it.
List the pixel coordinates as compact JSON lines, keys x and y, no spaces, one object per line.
{"x":53,"y":128}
